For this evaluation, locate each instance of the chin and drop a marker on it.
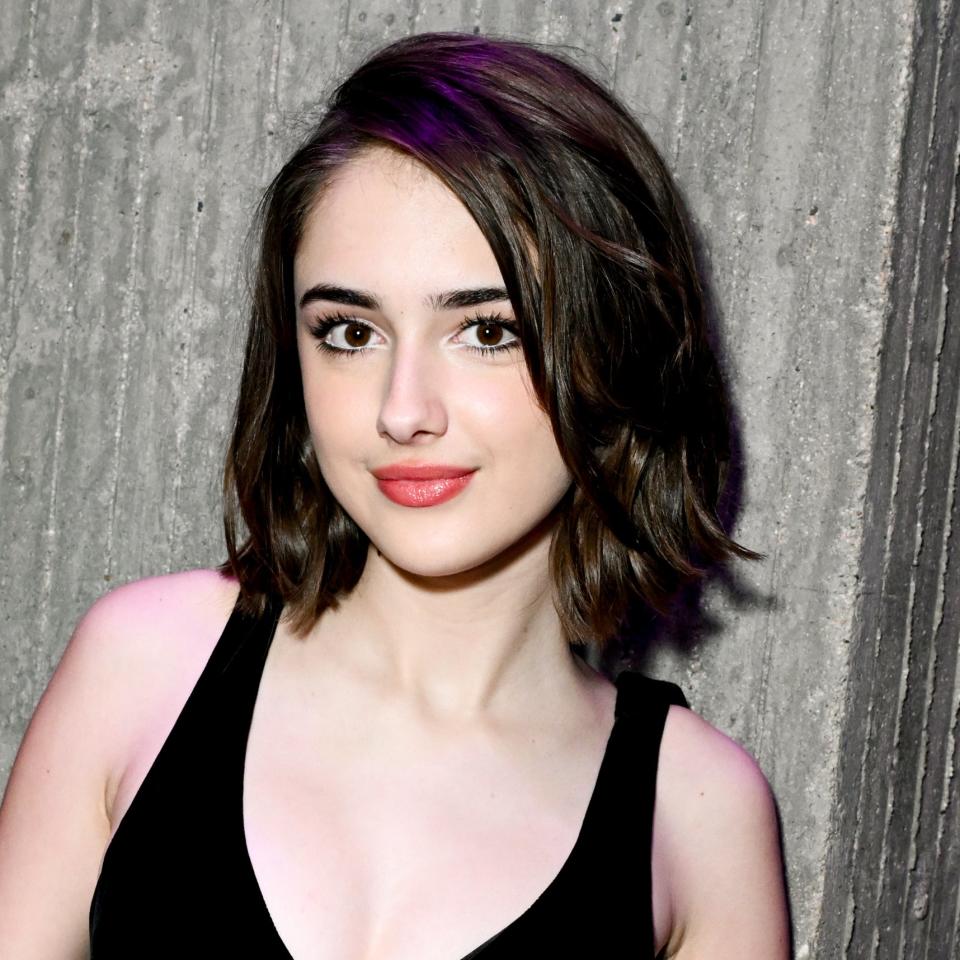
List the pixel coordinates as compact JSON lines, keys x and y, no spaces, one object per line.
{"x":436,"y":558}
{"x":433,"y":571}
{"x":455,"y":550}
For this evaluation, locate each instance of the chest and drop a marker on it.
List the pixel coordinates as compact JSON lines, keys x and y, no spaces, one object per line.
{"x":368,"y":841}
{"x":352,"y":838}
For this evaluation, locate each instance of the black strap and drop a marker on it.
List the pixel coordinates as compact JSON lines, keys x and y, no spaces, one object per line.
{"x":638,"y":693}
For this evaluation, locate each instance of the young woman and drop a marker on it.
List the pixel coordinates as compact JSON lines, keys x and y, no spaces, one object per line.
{"x":478,"y":418}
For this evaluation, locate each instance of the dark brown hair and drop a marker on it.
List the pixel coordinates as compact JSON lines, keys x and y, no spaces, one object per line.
{"x":590,"y":237}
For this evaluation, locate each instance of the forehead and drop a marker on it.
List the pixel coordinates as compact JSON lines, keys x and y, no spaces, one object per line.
{"x":385,"y":221}
{"x":375,"y":170}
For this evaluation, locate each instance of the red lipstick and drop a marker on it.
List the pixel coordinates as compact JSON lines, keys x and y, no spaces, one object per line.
{"x":422,"y":484}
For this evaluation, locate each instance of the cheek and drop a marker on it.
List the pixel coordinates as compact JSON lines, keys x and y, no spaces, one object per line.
{"x":332,"y":408}
{"x":521,"y":432}
{"x":336,"y":421}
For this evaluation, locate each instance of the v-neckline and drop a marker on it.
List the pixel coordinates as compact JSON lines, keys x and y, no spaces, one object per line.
{"x":589,"y":817}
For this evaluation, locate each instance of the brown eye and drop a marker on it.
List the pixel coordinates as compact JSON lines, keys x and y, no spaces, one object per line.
{"x":489,"y":334}
{"x":356,"y":335}
{"x":341,"y":336}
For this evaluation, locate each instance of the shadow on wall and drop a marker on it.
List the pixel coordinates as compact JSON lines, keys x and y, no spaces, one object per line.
{"x":688,"y":624}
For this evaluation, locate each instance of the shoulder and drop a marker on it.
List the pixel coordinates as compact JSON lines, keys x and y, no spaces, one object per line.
{"x":142,"y":634}
{"x":717,"y":830}
{"x":156,"y":606}
{"x":134,"y":629}
{"x":698,"y":759}
{"x":136,"y":647}
{"x":142,"y":623}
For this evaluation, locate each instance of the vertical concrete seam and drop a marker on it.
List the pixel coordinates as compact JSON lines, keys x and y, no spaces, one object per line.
{"x":182,"y":367}
{"x":547,"y":22}
{"x":277,"y":55}
{"x":338,"y":62}
{"x":64,"y":342}
{"x":686,"y":48}
{"x":928,"y":680}
{"x":31,"y":65}
{"x":949,"y":771}
{"x":828,"y":59}
{"x":956,"y":922}
{"x":475,"y":15}
{"x":948,"y":566}
{"x":944,"y":821}
{"x":616,"y":38}
{"x":29,"y":121}
{"x":755,"y":57}
{"x":413,"y":17}
{"x":952,"y":480}
{"x":916,"y":888}
{"x":275,"y":110}
{"x":841,"y":922}
{"x":891,"y":514}
{"x":950,"y":499}
{"x":762,"y":681}
{"x":128,"y":311}
{"x":944,"y":17}
{"x":890,"y":793}
{"x":904,"y":373}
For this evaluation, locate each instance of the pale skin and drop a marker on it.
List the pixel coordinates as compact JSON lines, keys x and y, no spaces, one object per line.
{"x":442,"y":682}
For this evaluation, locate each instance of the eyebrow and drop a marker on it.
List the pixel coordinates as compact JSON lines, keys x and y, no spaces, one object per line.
{"x":448,"y":300}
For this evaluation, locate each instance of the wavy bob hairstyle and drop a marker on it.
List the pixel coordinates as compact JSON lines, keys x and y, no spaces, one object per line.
{"x":590,"y":237}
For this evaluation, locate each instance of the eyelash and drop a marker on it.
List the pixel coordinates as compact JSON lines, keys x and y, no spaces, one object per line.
{"x":321,"y":327}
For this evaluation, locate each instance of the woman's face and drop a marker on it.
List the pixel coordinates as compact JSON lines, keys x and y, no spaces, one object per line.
{"x":397,"y":371}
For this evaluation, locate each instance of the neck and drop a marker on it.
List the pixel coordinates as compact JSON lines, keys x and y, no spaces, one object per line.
{"x":485,"y":641}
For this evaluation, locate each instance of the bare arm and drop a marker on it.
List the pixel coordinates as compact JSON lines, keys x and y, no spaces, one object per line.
{"x":53,"y":821}
{"x":722,"y":843}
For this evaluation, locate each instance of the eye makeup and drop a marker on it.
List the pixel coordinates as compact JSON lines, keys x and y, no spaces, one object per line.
{"x":321,"y":327}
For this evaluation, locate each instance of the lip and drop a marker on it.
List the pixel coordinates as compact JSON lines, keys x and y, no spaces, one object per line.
{"x":421,"y":471}
{"x":423,"y":484}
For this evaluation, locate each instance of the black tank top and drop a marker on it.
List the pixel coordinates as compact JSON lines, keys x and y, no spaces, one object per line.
{"x":176,"y":879}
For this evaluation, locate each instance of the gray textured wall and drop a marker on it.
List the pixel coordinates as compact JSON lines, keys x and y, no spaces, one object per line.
{"x":134,"y":139}
{"x":893,"y":868}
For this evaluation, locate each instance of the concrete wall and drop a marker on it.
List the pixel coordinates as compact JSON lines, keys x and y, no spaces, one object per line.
{"x":893,"y":867}
{"x":134,"y":139}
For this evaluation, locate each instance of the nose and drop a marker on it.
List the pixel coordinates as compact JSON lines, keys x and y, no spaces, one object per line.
{"x":412,"y":404}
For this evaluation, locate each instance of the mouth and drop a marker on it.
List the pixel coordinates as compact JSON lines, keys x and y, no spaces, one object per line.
{"x":423,"y":492}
